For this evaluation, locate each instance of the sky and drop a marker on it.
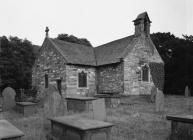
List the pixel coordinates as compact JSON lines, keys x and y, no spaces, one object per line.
{"x":100,"y":21}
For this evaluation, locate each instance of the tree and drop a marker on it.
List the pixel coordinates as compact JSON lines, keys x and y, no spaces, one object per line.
{"x":177,"y":54}
{"x":17,"y":59}
{"x":188,"y":38}
{"x":74,"y":39}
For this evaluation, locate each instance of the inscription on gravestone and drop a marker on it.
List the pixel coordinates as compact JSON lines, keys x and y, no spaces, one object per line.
{"x":8,"y":98}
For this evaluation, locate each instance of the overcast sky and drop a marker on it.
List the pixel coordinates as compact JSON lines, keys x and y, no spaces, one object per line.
{"x":100,"y":21}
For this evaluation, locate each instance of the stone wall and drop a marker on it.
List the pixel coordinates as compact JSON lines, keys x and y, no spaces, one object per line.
{"x":51,"y":62}
{"x":140,"y":55}
{"x":72,"y":88}
{"x":110,"y":78}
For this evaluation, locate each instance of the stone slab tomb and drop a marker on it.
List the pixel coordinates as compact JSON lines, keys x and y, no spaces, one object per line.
{"x":26,"y":108}
{"x":9,"y":132}
{"x":75,"y":128}
{"x":79,"y":104}
{"x":99,"y":110}
{"x":181,"y":127}
{"x":8,"y":98}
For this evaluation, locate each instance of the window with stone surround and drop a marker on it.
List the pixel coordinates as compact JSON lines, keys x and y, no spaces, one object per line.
{"x":82,"y":80}
{"x":145,"y":73}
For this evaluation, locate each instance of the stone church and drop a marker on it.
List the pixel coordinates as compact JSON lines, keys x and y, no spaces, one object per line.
{"x":117,"y":67}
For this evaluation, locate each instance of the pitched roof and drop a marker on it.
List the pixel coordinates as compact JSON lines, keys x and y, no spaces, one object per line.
{"x":108,"y":53}
{"x":75,"y":53}
{"x":142,"y":16}
{"x":113,"y":52}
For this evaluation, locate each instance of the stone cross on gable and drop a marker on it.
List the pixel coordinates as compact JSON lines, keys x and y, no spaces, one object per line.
{"x":47,"y":30}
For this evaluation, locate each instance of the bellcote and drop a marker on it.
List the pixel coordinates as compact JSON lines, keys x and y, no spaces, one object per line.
{"x":142,"y":24}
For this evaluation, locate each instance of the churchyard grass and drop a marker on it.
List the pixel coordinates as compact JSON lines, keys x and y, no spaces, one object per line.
{"x":134,"y":119}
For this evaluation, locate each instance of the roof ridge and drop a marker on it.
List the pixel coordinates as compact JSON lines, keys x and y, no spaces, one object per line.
{"x":70,"y":42}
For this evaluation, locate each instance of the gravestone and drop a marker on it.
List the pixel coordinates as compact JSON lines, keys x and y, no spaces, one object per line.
{"x":99,"y":110}
{"x":53,"y":104}
{"x":153,"y":94}
{"x":188,"y":100}
{"x":187,"y":92}
{"x":8,"y":98}
{"x":1,"y":102}
{"x":159,"y":101}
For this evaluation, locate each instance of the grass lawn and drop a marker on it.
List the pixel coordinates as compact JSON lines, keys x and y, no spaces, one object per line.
{"x":134,"y":119}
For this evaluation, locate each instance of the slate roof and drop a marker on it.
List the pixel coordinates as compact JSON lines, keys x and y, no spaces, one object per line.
{"x":113,"y":52}
{"x":108,"y":53}
{"x":75,"y":53}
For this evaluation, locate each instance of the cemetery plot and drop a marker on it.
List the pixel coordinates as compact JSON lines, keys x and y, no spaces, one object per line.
{"x":74,"y":128}
{"x":9,"y":132}
{"x":134,"y":120}
{"x":26,"y":108}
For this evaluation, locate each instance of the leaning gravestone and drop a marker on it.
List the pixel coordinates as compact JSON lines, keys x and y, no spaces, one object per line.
{"x":99,"y":110}
{"x":8,"y":98}
{"x":159,"y":101}
{"x":153,"y":93}
{"x":53,"y":104}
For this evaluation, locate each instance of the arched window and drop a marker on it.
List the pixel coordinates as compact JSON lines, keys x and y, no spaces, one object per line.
{"x":145,"y":73}
{"x":82,"y":79}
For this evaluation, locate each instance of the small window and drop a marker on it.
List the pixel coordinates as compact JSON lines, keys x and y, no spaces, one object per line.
{"x":59,"y":85}
{"x":46,"y":80}
{"x":82,"y":79}
{"x":145,"y":73}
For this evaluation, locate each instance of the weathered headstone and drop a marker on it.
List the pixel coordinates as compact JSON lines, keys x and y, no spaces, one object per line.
{"x":159,"y":101}
{"x":187,"y":92}
{"x":153,"y":93}
{"x":1,"y":102}
{"x":8,"y":98}
{"x":53,"y":104}
{"x":99,"y":110}
{"x":188,"y":100}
